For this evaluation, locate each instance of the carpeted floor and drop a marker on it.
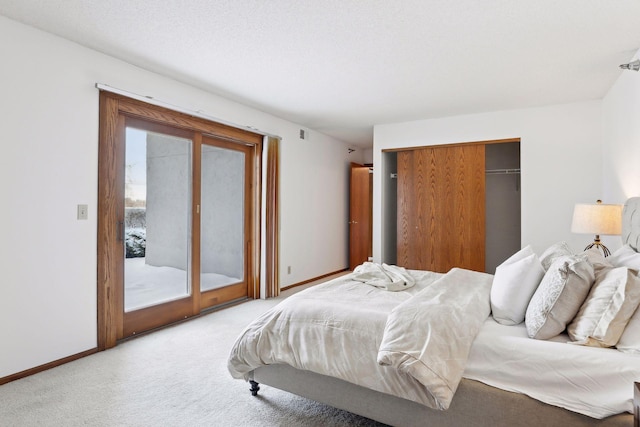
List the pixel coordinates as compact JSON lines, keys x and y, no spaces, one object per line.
{"x":173,"y":377}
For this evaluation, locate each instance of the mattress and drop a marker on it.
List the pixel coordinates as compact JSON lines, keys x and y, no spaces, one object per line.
{"x":597,"y":382}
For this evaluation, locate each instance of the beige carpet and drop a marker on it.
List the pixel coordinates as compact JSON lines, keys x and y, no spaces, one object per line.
{"x":174,"y":377}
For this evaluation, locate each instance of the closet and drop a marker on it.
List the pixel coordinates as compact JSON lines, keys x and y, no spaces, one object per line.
{"x":451,"y":206}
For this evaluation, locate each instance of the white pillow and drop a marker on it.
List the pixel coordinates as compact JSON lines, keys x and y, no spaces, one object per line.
{"x":625,"y":257}
{"x":612,"y":300}
{"x":514,"y":283}
{"x":559,"y":296}
{"x":554,"y":252}
{"x":630,"y":340}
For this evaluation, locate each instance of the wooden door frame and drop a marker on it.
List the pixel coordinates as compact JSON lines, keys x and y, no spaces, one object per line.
{"x":113,"y":109}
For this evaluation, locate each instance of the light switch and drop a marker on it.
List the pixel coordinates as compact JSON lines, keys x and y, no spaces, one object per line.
{"x":83,"y":211}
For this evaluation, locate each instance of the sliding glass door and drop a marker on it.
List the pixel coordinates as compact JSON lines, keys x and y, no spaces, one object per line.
{"x":225,"y":191}
{"x":157,"y":225}
{"x":187,"y":218}
{"x":178,"y":217}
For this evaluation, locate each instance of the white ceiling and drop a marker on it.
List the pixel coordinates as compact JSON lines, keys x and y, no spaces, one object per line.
{"x":341,"y":66}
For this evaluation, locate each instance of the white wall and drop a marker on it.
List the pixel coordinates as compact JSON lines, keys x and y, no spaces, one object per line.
{"x":49,"y":116}
{"x":621,"y":137}
{"x":560,"y":162}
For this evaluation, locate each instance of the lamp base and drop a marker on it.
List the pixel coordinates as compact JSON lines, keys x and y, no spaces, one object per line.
{"x":598,"y":245}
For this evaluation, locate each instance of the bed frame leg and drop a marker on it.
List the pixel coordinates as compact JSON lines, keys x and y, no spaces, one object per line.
{"x":636,"y":404}
{"x":254,"y":388}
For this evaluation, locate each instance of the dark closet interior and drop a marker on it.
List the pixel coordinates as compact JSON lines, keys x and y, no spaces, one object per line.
{"x":502,"y":195}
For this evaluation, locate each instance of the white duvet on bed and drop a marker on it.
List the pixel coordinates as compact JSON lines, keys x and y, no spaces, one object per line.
{"x":597,"y":382}
{"x":333,"y":329}
{"x":429,"y":336}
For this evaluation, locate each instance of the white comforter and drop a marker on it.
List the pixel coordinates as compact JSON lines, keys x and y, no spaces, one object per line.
{"x":429,"y":336}
{"x":362,"y":334}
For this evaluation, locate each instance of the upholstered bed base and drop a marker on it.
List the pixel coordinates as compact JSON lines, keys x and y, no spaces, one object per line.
{"x":474,"y":404}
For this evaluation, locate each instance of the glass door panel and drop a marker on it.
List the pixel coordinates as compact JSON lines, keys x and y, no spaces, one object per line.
{"x":225,"y":221}
{"x":157,"y":218}
{"x":222,"y":219}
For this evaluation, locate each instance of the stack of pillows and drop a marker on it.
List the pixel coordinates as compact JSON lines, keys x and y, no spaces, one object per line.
{"x":595,"y":299}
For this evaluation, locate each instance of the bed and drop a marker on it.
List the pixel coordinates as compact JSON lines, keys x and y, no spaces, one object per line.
{"x":468,"y":368}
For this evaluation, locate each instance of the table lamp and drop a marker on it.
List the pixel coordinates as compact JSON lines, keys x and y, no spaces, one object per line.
{"x":597,"y":219}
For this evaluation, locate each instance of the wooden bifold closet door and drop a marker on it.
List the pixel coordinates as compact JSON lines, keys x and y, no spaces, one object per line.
{"x":441,"y":208}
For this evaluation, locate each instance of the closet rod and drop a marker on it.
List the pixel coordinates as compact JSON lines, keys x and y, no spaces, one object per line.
{"x":502,"y":171}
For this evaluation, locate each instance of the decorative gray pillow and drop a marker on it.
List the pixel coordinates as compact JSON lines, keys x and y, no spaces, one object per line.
{"x":604,"y":315}
{"x":559,"y":296}
{"x":598,"y":261}
{"x":554,"y":252}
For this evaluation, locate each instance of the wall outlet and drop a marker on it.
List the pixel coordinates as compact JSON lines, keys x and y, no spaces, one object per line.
{"x":289,"y":270}
{"x":83,"y":211}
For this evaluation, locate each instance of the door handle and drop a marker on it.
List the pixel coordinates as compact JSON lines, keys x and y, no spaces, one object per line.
{"x":120,"y":231}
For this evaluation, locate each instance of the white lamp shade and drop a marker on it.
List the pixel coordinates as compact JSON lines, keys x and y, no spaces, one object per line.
{"x":597,"y":219}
